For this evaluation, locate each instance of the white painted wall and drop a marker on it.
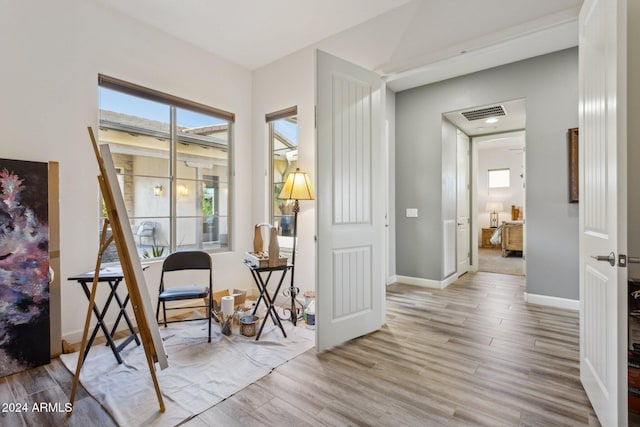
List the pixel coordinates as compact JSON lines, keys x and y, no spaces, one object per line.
{"x":53,"y":52}
{"x":287,"y":82}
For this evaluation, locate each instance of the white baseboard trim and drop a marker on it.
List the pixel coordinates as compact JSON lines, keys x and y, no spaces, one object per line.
{"x":75,"y":337}
{"x":569,"y":304}
{"x":449,"y":280}
{"x":426,"y":283}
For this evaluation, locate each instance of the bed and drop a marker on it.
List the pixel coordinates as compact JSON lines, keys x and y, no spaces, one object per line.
{"x":508,"y":236}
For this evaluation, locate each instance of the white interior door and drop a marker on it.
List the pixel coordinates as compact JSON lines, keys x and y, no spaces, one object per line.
{"x":603,"y":200}
{"x":463,"y":240}
{"x":350,"y":201}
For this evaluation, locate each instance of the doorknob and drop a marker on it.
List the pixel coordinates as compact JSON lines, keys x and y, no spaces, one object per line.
{"x":611,"y":258}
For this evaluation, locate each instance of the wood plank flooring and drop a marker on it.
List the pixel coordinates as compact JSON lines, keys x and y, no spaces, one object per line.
{"x":470,"y":355}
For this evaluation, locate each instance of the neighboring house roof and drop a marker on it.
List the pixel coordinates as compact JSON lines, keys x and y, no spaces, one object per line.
{"x":214,"y":135}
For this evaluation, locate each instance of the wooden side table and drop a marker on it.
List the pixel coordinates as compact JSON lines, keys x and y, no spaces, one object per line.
{"x":486,"y":238}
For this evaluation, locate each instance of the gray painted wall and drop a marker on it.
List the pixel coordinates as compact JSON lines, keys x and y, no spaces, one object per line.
{"x":549,"y":84}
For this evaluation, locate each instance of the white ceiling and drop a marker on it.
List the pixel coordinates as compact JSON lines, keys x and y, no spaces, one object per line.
{"x":514,"y":142}
{"x":403,"y":40}
{"x":252,"y":33}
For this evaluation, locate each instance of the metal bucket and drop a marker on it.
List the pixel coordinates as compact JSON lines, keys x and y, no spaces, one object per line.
{"x":248,"y":325}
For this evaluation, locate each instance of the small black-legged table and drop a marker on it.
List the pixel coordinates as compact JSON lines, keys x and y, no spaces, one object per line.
{"x":269,"y":299}
{"x":113,"y":276}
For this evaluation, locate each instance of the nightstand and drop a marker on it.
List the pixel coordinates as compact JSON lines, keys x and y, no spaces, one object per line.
{"x":486,"y":238}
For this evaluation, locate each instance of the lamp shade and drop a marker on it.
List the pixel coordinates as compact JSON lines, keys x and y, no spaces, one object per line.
{"x":495,"y":207}
{"x":297,"y":187}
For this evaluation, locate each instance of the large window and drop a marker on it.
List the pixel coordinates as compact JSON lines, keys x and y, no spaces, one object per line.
{"x":283,"y":143}
{"x":172,"y":158}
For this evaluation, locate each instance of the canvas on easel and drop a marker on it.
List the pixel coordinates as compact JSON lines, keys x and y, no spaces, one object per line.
{"x":131,"y":256}
{"x":122,"y":235}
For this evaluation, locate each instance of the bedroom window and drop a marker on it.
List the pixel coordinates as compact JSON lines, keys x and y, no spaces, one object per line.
{"x":499,"y":178}
{"x":283,"y":146}
{"x":173,"y":160}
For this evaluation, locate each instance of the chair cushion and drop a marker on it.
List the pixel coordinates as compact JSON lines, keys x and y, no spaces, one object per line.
{"x":184,"y":292}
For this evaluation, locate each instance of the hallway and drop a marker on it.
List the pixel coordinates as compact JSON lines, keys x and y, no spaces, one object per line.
{"x":471,"y":354}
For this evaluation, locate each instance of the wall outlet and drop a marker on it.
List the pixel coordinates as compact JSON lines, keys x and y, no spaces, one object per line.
{"x":412,"y":213}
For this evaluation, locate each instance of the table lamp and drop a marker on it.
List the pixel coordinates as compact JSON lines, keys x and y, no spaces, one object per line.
{"x":493,"y":208}
{"x":296,"y":187}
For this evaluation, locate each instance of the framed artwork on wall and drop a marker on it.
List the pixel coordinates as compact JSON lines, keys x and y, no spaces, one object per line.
{"x":574,"y":186}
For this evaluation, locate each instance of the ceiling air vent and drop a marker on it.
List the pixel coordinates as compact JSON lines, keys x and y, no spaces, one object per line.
{"x":485,"y":113}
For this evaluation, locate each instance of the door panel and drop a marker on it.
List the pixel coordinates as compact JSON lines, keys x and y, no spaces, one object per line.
{"x":350,"y":205}
{"x":602,"y":207}
{"x":464,"y":198}
{"x":351,"y":151}
{"x":352,"y":271}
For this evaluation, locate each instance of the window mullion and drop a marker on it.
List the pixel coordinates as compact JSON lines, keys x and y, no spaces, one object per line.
{"x":270,"y":186}
{"x":173,"y":168}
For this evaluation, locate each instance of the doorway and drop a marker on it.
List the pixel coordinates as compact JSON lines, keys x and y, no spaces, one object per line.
{"x":496,"y":167}
{"x":500,"y":195}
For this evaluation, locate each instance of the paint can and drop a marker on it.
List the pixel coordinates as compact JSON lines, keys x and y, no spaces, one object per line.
{"x":248,"y":325}
{"x":310,"y":315}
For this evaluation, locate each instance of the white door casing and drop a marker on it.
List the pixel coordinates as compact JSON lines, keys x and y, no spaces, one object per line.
{"x":524,"y":207}
{"x":603,"y":228}
{"x":350,"y":201}
{"x":463,"y":194}
{"x":387,"y":183}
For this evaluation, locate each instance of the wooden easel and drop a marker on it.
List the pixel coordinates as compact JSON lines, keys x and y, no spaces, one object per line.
{"x":151,"y":340}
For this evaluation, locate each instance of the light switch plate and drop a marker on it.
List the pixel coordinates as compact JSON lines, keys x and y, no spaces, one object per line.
{"x":412,"y":213}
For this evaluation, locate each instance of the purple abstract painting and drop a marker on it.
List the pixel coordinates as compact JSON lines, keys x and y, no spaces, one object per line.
{"x":24,"y":266}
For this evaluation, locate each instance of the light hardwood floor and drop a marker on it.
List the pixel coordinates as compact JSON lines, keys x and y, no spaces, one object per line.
{"x":472,"y":354}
